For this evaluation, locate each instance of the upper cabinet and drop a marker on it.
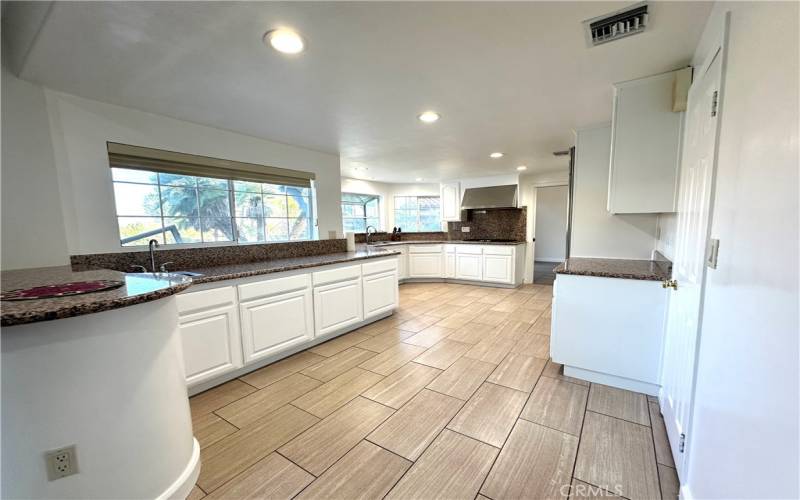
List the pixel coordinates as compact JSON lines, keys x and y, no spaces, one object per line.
{"x":451,"y":201}
{"x":646,"y":143}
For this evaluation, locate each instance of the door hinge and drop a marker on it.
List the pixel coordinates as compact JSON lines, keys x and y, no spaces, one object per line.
{"x":682,"y":445}
{"x":714,"y":103}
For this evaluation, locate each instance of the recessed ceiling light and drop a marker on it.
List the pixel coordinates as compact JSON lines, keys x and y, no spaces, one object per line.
{"x":419,"y":179}
{"x":286,"y":41}
{"x":496,"y":155}
{"x":428,"y":116}
{"x":522,"y":167}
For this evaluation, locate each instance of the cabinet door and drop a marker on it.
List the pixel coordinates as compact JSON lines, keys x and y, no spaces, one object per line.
{"x":380,"y":293}
{"x":337,"y":306}
{"x":468,"y":267}
{"x":450,"y":265}
{"x":498,"y":268}
{"x":402,"y":263}
{"x":451,"y":201}
{"x":274,"y":323}
{"x":424,"y":265}
{"x":211,"y":343}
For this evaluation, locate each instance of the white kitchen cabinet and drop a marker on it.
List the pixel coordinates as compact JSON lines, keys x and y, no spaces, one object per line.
{"x":275,"y":315}
{"x":209,"y":328}
{"x":425,"y":261}
{"x":498,"y":264}
{"x":469,"y":262}
{"x":337,"y":299}
{"x":402,"y":262}
{"x":451,"y":201}
{"x":379,"y":280}
{"x":449,"y":261}
{"x":645,"y":146}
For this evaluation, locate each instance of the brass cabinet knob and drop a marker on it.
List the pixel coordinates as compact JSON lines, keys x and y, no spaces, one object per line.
{"x":669,"y":284}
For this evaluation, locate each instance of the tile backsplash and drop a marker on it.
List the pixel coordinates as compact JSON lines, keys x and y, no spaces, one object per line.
{"x":502,"y":223}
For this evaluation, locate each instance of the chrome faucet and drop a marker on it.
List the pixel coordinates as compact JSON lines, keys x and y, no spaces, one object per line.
{"x":153,"y":244}
{"x":374,"y":230}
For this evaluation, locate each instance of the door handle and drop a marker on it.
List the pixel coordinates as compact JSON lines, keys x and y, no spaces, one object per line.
{"x":670,"y":284}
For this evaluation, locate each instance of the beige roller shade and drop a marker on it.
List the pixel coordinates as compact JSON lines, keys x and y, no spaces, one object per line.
{"x":159,"y":160}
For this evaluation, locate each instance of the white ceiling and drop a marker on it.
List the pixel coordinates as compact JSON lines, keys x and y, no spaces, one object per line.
{"x":515,"y":77}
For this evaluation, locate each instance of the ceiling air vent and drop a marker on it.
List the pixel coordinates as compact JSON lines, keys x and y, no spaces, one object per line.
{"x":625,"y":22}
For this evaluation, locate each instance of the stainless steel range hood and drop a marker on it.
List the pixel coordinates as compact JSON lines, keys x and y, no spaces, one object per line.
{"x":490,"y":197}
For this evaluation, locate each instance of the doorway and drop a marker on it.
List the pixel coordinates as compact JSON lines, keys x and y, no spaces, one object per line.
{"x":550,"y":232}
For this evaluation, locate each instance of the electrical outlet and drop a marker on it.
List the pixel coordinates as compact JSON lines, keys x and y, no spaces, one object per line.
{"x":464,"y":229}
{"x":61,"y":463}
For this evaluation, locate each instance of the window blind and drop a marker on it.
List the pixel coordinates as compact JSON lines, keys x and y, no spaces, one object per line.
{"x":170,"y":162}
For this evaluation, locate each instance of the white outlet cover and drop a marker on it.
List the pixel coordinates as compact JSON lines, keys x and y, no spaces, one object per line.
{"x":464,"y":229}
{"x":61,"y":463}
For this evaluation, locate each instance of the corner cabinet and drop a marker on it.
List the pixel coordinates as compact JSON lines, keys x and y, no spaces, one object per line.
{"x":645,"y":146}
{"x":451,"y":200}
{"x":209,"y":327}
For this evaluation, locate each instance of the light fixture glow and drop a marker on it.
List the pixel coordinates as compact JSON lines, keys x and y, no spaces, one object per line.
{"x":496,"y":155}
{"x":522,"y":167}
{"x":285,"y":41}
{"x":428,"y":116}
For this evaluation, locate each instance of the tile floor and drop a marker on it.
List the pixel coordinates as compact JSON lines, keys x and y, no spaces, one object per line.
{"x":451,"y":397}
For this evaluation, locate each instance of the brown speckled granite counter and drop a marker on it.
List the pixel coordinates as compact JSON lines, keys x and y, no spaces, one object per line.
{"x":234,"y":271}
{"x":653,"y":270}
{"x":138,"y":288}
{"x":443,"y":242}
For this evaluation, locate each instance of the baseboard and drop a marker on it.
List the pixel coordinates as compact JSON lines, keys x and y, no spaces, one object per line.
{"x":612,"y":380}
{"x":183,"y":485}
{"x":488,"y":284}
{"x":549,"y":260}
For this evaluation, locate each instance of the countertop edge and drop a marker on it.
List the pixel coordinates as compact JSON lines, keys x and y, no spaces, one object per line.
{"x":601,"y":274}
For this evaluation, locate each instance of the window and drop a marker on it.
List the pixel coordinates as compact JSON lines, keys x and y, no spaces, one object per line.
{"x":417,"y":213}
{"x":177,"y":208}
{"x":360,"y":211}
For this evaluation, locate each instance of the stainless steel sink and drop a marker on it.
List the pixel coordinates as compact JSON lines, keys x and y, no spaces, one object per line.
{"x":187,"y":273}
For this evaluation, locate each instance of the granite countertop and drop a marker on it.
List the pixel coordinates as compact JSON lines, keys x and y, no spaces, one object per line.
{"x":652,"y":270}
{"x":233,"y":271}
{"x":138,"y":288}
{"x":440,"y":242}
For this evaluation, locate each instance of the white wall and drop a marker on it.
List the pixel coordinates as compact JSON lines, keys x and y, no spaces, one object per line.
{"x":527,"y":192}
{"x":80,"y":128}
{"x":32,"y":225}
{"x":595,"y":232}
{"x":551,"y":223}
{"x":744,"y":435}
{"x":388,"y":191}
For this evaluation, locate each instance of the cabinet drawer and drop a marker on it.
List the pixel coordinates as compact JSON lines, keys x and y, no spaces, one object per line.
{"x":498,"y":250}
{"x":424,"y":248}
{"x":266,"y":288}
{"x":379,"y":266}
{"x":334,"y":275}
{"x":469,"y":249}
{"x":205,"y":299}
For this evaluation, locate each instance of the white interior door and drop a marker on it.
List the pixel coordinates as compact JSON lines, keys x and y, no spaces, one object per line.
{"x":694,"y":216}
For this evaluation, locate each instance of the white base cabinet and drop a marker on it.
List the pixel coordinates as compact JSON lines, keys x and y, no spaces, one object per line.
{"x":425,"y":261}
{"x":379,"y":281}
{"x":209,"y":327}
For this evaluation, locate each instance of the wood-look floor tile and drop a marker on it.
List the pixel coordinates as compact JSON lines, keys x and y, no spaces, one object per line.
{"x":396,"y":389}
{"x":463,"y":378}
{"x":542,"y":325}
{"x":339,"y":344}
{"x":490,"y":414}
{"x":209,"y":428}
{"x":491,"y":350}
{"x":443,"y":354}
{"x":518,"y":371}
{"x":473,"y":332}
{"x":505,"y":306}
{"x":457,"y":320}
{"x":326,"y":442}
{"x":411,"y":429}
{"x":393,"y":358}
{"x":332,"y":367}
{"x":219,"y":396}
{"x":652,"y":399}
{"x":382,"y":325}
{"x":618,"y":455}
{"x":366,"y":472}
{"x":627,"y":405}
{"x":273,"y":477}
{"x":555,"y":370}
{"x":670,"y":486}
{"x":557,"y":404}
{"x":536,"y":304}
{"x":511,"y":330}
{"x":419,"y":323}
{"x":580,"y":489}
{"x":663,"y":450}
{"x":462,"y":300}
{"x":332,"y":395}
{"x":454,"y":466}
{"x":491,"y":318}
{"x":228,"y":457}
{"x":491,"y":299}
{"x":429,"y":336}
{"x":385,"y":340}
{"x":444,"y":310}
{"x":281,"y":369}
{"x":527,"y":316}
{"x":252,"y":407}
{"x":536,"y":462}
{"x":534,"y":345}
{"x":196,"y":493}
